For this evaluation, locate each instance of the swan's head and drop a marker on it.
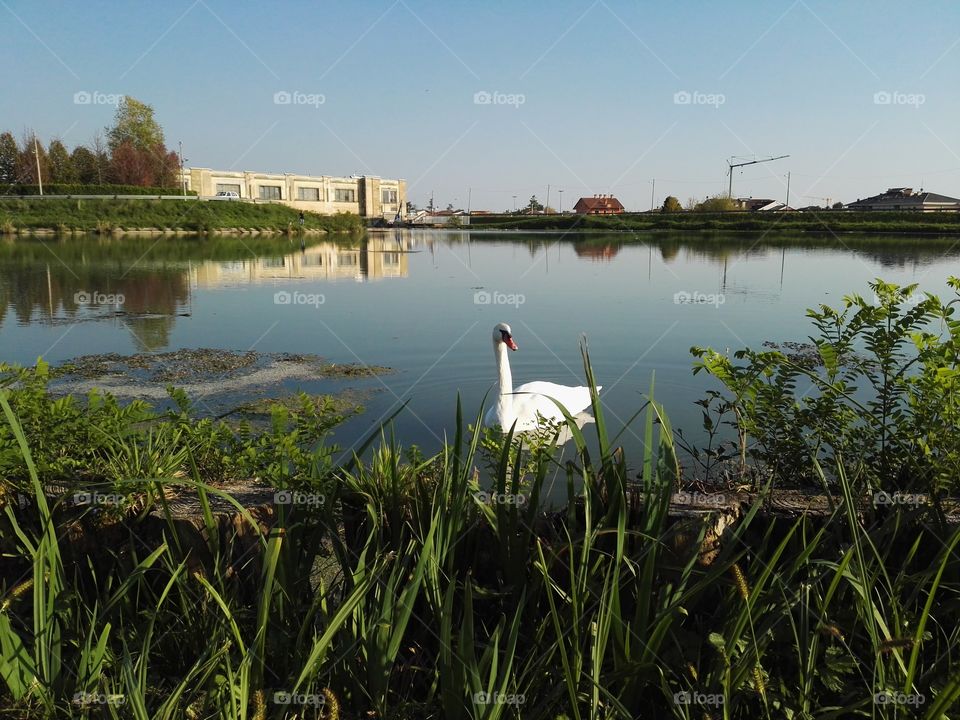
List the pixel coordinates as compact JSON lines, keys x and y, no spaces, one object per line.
{"x":502,"y":334}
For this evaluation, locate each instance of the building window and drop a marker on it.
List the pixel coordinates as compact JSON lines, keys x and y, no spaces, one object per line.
{"x":347,"y":260}
{"x":340,"y":195}
{"x":388,"y":197}
{"x":308,"y":193}
{"x":227,"y":187}
{"x":269,"y":192}
{"x":274,"y":262}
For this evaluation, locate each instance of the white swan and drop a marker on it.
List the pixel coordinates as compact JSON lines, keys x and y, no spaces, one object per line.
{"x":533,"y":401}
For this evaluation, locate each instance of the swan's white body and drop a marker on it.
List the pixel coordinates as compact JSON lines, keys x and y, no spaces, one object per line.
{"x":531,"y":403}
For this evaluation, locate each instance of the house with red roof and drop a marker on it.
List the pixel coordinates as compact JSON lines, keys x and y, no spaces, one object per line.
{"x":598,"y":205}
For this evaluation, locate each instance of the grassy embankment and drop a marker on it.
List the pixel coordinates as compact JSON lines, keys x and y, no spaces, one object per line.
{"x":397,"y":587}
{"x":826,"y":221}
{"x":109,"y":216}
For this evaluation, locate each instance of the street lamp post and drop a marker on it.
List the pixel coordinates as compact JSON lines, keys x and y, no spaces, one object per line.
{"x":183,"y":180}
{"x":560,"y":209}
{"x":36,"y":153}
{"x":514,"y":203}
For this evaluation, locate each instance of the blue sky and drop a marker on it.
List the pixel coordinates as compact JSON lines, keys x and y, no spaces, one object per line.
{"x":592,"y":97}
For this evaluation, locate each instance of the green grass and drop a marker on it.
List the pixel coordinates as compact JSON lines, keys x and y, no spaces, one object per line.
{"x":108,"y":215}
{"x":825,"y":221}
{"x":406,"y":593}
{"x":78,"y":189}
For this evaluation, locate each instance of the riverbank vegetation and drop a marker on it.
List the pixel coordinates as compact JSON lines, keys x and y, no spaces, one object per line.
{"x":385,"y":583}
{"x":80,"y":189}
{"x":822,"y":221}
{"x":22,"y":216}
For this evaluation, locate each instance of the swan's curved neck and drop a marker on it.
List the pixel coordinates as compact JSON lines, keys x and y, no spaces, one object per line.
{"x":505,"y":398}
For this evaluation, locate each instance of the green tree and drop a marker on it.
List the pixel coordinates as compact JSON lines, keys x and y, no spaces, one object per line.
{"x":134,"y":123}
{"x":27,"y":159}
{"x":671,"y":205}
{"x":138,"y":155}
{"x":84,"y":165}
{"x":534,"y":204}
{"x":61,"y":165}
{"x":8,"y":158}
{"x":718,"y":203}
{"x":101,"y":157}
{"x":837,"y":206}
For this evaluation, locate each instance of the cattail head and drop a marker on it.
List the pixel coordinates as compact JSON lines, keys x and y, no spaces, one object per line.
{"x":888,"y":646}
{"x":758,"y":679}
{"x":741,"y":581}
{"x":331,"y":704}
{"x":832,"y":631}
{"x":18,"y":591}
{"x":259,"y":705}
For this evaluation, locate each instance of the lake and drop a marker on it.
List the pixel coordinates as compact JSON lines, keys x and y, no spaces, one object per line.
{"x":424,"y":302}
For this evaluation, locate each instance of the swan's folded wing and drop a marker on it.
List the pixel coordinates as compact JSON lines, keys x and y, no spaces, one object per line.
{"x":536,"y":397}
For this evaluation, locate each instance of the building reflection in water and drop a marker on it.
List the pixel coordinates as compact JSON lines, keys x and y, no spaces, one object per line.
{"x":378,"y":257}
{"x":158,"y":290}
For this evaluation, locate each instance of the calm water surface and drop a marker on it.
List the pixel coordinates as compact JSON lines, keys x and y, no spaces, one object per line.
{"x":425,"y":302}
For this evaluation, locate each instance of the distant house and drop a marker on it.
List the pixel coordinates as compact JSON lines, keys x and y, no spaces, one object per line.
{"x":598,"y":205}
{"x":753,"y":204}
{"x":775,"y":206}
{"x":906,"y":199}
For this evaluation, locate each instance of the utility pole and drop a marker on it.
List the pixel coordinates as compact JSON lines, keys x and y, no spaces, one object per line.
{"x":652,"y":191}
{"x":788,"y":192}
{"x":36,"y":154}
{"x":514,"y":203}
{"x":560,"y":209}
{"x":469,"y":196}
{"x":183,"y":180}
{"x":547,"y":203}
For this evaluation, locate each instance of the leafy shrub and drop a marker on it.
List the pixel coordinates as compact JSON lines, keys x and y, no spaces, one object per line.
{"x":77,"y":189}
{"x":878,"y":391}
